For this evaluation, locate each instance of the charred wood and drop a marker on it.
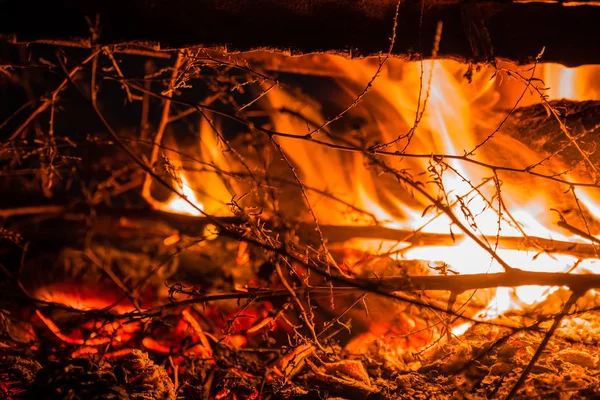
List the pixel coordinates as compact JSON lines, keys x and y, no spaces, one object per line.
{"x":544,"y":132}
{"x":461,"y":283}
{"x":147,"y":225}
{"x":478,"y":31}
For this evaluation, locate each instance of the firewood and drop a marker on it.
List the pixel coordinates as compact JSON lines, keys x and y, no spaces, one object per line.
{"x":541,"y":131}
{"x":477,"y":31}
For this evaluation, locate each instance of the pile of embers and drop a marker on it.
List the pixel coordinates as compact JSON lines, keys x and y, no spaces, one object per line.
{"x":484,"y":363}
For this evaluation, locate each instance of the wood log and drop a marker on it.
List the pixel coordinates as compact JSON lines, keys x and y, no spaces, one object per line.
{"x":144,"y":225}
{"x":106,"y":225}
{"x":461,"y":283}
{"x":479,"y":31}
{"x":542,"y":132}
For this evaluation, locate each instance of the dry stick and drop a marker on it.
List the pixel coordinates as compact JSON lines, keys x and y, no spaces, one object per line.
{"x":455,"y":283}
{"x":33,"y":210}
{"x":206,"y":387}
{"x":337,"y":319}
{"x":575,"y":295}
{"x":335,"y":233}
{"x":48,"y":101}
{"x":109,"y":53}
{"x":175,"y":369}
{"x":360,"y":287}
{"x":462,"y":283}
{"x":266,"y":294}
{"x":260,"y":96}
{"x":164,"y":120}
{"x":565,"y":225}
{"x":301,"y":308}
{"x":581,"y":213}
{"x":194,"y":226}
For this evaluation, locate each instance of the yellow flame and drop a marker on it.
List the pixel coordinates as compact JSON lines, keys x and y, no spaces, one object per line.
{"x":205,"y":185}
{"x":181,"y":204}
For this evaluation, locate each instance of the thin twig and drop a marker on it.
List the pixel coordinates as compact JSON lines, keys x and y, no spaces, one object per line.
{"x":164,"y":120}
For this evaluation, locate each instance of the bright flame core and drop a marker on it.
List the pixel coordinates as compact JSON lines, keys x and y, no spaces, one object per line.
{"x":202,"y":190}
{"x":181,"y":204}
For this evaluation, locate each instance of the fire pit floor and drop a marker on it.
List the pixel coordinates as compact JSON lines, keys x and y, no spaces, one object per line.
{"x":484,"y":363}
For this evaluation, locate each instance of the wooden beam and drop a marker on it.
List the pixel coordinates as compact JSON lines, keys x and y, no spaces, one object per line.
{"x":515,"y":30}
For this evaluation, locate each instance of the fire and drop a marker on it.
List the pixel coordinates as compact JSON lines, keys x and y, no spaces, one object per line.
{"x":436,"y":130}
{"x":456,"y":120}
{"x":571,"y":83}
{"x":205,"y":190}
{"x":181,"y":204}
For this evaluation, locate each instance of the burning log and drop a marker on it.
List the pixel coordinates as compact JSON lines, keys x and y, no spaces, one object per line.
{"x":542,"y":131}
{"x":107,"y":225}
{"x":461,"y":283}
{"x":158,"y":223}
{"x":478,"y":31}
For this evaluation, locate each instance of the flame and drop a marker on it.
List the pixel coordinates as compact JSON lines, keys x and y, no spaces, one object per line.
{"x":571,"y":83}
{"x":181,"y":204}
{"x":459,"y":119}
{"x":206,"y":190}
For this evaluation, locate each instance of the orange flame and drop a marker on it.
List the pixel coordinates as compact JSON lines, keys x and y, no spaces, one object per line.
{"x":446,"y":145}
{"x":205,"y":189}
{"x":181,"y":204}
